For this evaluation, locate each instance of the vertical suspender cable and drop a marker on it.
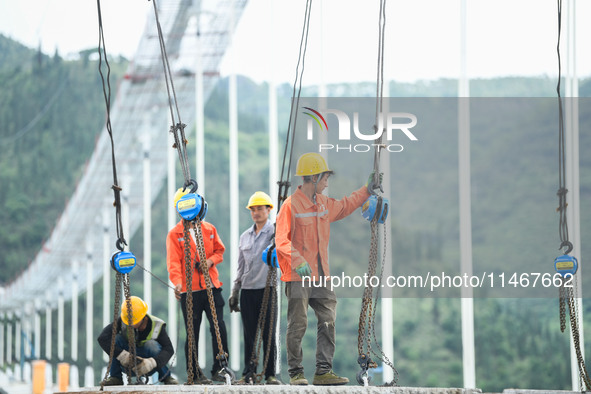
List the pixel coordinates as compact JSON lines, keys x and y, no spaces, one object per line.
{"x":568,"y":296}
{"x":465,"y":206}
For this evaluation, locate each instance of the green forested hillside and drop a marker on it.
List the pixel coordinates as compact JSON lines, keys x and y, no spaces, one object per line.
{"x":51,"y":111}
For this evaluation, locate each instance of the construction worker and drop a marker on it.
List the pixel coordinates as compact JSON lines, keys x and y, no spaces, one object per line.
{"x":302,"y":236}
{"x":252,"y":280}
{"x":152,"y":344}
{"x":175,"y":261}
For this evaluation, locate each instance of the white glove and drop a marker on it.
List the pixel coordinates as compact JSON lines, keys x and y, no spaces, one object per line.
{"x":125,"y":358}
{"x":144,"y":367}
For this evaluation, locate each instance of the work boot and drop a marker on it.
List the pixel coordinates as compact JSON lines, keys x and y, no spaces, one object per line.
{"x":329,"y":379}
{"x":112,"y":381}
{"x":298,"y":380}
{"x":170,"y":380}
{"x":273,"y":380}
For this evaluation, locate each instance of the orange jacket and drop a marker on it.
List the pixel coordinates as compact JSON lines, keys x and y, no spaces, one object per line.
{"x":175,"y":256}
{"x":303,"y":230}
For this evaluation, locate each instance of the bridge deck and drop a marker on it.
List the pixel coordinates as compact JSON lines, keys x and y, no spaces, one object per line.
{"x":287,"y":389}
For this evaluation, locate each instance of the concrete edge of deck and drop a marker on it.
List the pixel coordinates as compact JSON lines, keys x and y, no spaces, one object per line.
{"x":287,"y":389}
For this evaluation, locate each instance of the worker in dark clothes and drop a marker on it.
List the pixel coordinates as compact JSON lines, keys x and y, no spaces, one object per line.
{"x":152,"y":345}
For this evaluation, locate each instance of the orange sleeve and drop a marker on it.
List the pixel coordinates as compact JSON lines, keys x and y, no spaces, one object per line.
{"x":288,"y":256}
{"x":342,"y":208}
{"x":174,"y":258}
{"x":218,"y":248}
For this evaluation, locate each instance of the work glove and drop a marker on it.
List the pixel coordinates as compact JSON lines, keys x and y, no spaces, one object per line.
{"x":372,"y":185}
{"x":304,"y":269}
{"x":125,"y":359}
{"x":145,"y":366}
{"x":234,"y":300}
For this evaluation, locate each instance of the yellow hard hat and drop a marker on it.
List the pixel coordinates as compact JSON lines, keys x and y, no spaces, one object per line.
{"x":139,"y":309}
{"x":179,"y":194}
{"x":311,"y":164}
{"x":259,"y":198}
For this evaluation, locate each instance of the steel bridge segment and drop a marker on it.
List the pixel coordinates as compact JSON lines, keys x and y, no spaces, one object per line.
{"x":140,"y":107}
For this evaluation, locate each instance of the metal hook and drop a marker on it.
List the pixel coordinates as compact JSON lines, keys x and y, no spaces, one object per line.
{"x":119,"y":244}
{"x":568,"y":244}
{"x":193,"y":184}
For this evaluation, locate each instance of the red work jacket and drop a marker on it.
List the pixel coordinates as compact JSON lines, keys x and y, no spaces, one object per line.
{"x":175,"y":256}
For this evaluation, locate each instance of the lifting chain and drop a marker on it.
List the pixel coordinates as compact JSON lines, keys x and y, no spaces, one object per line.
{"x":121,"y":280}
{"x":270,"y":289}
{"x":190,"y":333}
{"x":368,"y":314}
{"x":201,"y":259}
{"x":567,"y":296}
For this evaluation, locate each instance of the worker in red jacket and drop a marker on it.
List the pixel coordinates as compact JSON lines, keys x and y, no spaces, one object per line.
{"x":175,"y":262}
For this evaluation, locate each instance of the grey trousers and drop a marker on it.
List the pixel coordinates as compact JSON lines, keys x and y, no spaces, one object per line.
{"x":324,"y":303}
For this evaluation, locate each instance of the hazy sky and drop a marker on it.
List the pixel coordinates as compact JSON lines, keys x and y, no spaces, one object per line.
{"x":505,"y":37}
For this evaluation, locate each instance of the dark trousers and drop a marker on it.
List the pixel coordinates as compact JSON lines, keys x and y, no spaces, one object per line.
{"x":251,"y":302}
{"x":200,"y":305}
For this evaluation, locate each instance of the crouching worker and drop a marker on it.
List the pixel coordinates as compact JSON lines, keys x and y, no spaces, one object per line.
{"x":152,"y":345}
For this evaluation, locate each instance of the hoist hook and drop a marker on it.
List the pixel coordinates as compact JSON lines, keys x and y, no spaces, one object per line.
{"x":224,"y":370}
{"x":120,"y":244}
{"x":569,"y":246}
{"x":193,"y":184}
{"x":365,"y":363}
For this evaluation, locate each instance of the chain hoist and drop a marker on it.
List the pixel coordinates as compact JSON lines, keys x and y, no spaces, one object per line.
{"x":566,"y":265}
{"x":375,"y":210}
{"x":122,"y":261}
{"x":222,"y":356}
{"x":269,"y":257}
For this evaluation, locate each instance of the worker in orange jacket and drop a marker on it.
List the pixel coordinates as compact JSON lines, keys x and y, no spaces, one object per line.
{"x":175,"y":262}
{"x":302,"y":236}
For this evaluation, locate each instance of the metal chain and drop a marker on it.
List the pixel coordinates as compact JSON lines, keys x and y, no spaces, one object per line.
{"x":382,"y":356}
{"x":196,"y":225}
{"x":567,"y":297}
{"x":269,"y":289}
{"x":189,"y":276}
{"x":130,"y":329}
{"x":114,"y":329}
{"x":365,"y":315}
{"x":562,"y":299}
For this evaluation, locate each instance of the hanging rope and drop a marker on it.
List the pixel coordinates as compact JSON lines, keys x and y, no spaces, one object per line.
{"x":567,"y":294}
{"x":107,"y":95}
{"x":180,"y":144}
{"x":366,"y":331}
{"x":178,"y":127}
{"x":121,"y":279}
{"x":284,"y":184}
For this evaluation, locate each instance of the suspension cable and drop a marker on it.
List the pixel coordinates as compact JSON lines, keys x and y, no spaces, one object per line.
{"x":102,"y":51}
{"x":567,"y":295}
{"x":285,"y":184}
{"x":178,"y":127}
{"x":562,"y":190}
{"x":121,"y":279}
{"x":367,"y":315}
